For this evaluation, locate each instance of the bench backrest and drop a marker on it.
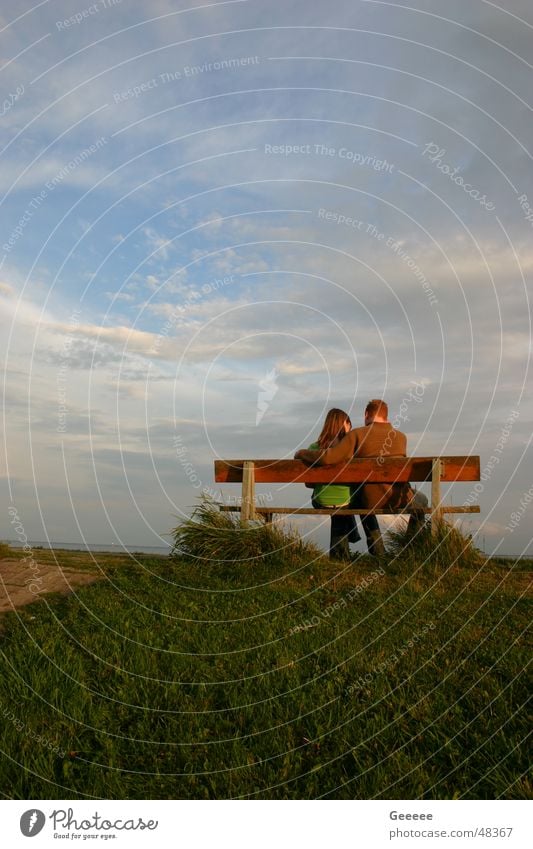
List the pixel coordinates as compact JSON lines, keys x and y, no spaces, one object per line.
{"x":379,"y":470}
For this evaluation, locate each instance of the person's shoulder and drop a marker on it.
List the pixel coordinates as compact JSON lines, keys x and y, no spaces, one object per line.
{"x":398,"y":438}
{"x":385,"y":426}
{"x":358,"y":435}
{"x":352,"y":434}
{"x":398,"y":432}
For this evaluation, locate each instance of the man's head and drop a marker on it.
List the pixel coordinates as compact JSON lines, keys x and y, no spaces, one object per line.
{"x":376,"y":411}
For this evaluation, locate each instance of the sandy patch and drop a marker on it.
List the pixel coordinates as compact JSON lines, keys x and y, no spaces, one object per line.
{"x":22,"y":584}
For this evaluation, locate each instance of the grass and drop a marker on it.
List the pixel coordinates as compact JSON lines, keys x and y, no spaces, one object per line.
{"x":447,"y":546}
{"x":5,"y":550}
{"x":76,"y":559}
{"x":283,"y":677}
{"x":214,"y":536}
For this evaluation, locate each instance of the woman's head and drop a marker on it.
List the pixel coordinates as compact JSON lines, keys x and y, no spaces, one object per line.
{"x":336,"y":425}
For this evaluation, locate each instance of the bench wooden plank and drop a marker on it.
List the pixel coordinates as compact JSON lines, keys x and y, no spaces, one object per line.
{"x":311,"y":511}
{"x":368,"y":470}
{"x":436,"y":507}
{"x":386,"y":470}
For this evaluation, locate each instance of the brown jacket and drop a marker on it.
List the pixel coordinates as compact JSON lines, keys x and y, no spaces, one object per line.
{"x":378,"y":439}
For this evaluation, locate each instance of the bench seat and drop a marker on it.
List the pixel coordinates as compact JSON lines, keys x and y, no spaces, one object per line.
{"x":388,"y":470}
{"x":312,"y":511}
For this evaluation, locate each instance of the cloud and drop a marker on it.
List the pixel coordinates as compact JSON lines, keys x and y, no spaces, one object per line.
{"x":157,"y":243}
{"x":6,"y":290}
{"x":193,"y":191}
{"x":120,"y":296}
{"x":139,"y":341}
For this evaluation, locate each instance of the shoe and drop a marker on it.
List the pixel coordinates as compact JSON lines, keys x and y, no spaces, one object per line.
{"x":376,"y":546}
{"x":340,"y":551}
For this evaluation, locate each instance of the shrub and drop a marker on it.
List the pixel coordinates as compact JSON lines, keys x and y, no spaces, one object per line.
{"x":447,"y":547}
{"x":215,"y":535}
{"x":5,"y":550}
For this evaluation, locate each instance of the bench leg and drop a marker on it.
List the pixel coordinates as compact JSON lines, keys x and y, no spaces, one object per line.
{"x":436,"y":512}
{"x":248,"y":491}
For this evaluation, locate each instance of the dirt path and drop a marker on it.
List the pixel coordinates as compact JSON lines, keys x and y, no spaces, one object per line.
{"x":22,"y":583}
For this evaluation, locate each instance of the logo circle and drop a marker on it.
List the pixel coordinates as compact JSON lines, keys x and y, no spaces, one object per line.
{"x":32,"y":822}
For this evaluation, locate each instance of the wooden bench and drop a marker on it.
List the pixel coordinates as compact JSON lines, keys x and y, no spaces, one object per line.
{"x":380,"y":470}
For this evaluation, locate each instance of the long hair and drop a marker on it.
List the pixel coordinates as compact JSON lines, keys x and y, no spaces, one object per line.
{"x":333,"y":430}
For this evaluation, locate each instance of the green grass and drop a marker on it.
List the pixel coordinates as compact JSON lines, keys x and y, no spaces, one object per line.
{"x":446,"y":547}
{"x":285,"y":677}
{"x":5,"y":550}
{"x":221,"y":538}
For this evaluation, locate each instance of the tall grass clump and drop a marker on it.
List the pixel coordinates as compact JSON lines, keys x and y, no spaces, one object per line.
{"x":447,"y":547}
{"x":218,"y":536}
{"x":5,"y":550}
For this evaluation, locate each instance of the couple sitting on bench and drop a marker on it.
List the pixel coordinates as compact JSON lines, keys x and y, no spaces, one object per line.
{"x":338,"y":443}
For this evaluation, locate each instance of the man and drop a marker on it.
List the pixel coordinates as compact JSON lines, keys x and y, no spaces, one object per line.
{"x":377,"y":438}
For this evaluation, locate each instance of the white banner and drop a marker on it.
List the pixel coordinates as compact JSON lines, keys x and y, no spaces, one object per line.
{"x":260,"y":824}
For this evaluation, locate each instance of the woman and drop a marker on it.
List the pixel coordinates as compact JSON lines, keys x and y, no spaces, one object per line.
{"x":343,"y":528}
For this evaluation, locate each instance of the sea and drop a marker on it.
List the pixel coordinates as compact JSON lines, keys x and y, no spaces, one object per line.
{"x":112,"y":548}
{"x":160,"y":550}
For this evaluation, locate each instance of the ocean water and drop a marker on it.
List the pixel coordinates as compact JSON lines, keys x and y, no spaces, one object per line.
{"x":163,"y":550}
{"x":81,"y":546}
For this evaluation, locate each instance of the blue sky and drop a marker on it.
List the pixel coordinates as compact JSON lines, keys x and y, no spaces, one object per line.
{"x":205,"y":202}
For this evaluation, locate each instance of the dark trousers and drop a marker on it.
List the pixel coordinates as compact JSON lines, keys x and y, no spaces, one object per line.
{"x":343,"y":532}
{"x":370,"y":523}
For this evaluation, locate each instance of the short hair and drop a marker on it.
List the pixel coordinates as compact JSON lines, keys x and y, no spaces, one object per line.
{"x":377,"y":408}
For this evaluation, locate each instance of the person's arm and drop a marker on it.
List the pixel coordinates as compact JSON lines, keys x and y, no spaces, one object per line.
{"x":314,"y":447}
{"x":307,"y":456}
{"x":342,"y":452}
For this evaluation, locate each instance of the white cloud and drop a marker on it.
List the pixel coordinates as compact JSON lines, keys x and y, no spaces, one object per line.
{"x":6,"y":290}
{"x":331,"y":307}
{"x":120,"y":296}
{"x":157,"y":243}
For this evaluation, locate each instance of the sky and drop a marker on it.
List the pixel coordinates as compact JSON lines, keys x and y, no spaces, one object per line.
{"x":219,"y":220}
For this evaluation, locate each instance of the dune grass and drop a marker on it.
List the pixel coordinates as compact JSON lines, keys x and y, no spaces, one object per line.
{"x":283,"y":677}
{"x":221,"y":538}
{"x":5,"y":550}
{"x":447,"y":546}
